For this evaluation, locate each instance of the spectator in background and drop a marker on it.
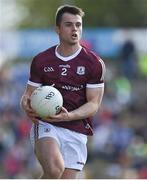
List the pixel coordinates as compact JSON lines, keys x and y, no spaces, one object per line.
{"x":129,"y":60}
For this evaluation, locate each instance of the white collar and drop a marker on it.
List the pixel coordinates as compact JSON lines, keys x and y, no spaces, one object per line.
{"x":68,"y":57}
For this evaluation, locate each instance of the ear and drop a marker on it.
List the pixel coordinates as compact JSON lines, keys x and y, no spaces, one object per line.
{"x":57,"y":29}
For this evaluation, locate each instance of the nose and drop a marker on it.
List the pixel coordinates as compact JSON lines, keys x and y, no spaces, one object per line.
{"x":74,"y":27}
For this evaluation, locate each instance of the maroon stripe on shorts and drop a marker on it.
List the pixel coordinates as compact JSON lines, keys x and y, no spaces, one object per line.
{"x":36,"y":132}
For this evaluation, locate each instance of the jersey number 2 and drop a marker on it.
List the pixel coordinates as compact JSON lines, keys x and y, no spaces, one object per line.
{"x":64,"y":72}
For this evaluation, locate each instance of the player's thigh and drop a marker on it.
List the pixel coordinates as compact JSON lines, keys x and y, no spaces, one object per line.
{"x":70,"y":174}
{"x":48,"y":152}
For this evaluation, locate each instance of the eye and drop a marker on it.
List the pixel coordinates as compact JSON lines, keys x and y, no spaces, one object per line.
{"x":78,"y":24}
{"x":68,"y":24}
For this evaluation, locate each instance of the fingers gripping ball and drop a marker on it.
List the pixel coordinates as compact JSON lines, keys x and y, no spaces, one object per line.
{"x":46,"y":101}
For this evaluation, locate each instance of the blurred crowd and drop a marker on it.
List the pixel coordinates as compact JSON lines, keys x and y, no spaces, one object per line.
{"x":117,"y":150}
{"x":16,"y":154}
{"x":120,"y":140}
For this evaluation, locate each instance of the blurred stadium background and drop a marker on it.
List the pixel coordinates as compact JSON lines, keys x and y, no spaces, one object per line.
{"x":117,"y":31}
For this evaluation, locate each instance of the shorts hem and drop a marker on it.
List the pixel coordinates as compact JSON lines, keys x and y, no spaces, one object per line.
{"x":48,"y":136}
{"x":78,"y":168}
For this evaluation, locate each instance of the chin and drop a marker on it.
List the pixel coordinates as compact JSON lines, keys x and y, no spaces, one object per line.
{"x":74,"y":42}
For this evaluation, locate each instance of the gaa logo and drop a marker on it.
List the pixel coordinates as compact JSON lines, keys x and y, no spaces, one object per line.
{"x":48,"y":69}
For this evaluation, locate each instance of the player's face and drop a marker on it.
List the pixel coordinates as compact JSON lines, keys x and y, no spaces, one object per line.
{"x":70,"y":29}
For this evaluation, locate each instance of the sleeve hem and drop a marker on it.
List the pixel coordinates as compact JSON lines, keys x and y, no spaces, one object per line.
{"x":34,"y":84}
{"x":95,"y":85}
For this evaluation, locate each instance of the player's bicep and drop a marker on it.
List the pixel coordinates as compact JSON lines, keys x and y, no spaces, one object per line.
{"x":95,"y":94}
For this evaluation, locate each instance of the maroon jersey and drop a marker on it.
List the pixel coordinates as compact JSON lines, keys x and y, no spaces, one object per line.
{"x":71,"y":76}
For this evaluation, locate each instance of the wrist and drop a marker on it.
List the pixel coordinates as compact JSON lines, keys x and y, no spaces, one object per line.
{"x":71,"y":116}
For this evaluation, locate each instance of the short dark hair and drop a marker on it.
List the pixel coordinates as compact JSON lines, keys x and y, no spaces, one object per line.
{"x":67,"y":9}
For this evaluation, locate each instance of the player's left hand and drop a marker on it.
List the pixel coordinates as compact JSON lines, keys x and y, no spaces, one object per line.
{"x":62,"y":116}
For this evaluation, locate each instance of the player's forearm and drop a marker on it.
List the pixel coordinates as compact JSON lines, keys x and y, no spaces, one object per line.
{"x":87,"y":110}
{"x":24,"y":101}
{"x":90,"y":108}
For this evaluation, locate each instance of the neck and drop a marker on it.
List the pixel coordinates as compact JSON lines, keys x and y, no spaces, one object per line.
{"x":66,"y":50}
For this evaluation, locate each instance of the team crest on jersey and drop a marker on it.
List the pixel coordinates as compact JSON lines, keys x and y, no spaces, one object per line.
{"x":81,"y":70}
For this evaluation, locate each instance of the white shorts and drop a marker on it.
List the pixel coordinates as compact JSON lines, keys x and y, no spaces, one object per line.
{"x":72,"y":144}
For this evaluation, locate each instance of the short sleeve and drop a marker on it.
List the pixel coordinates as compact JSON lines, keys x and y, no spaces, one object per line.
{"x":35,"y":78}
{"x":96,"y":78}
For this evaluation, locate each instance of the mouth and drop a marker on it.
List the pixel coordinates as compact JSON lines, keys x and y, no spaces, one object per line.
{"x":74,"y":35}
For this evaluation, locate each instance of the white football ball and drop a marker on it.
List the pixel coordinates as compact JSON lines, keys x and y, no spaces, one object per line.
{"x":46,"y":101}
